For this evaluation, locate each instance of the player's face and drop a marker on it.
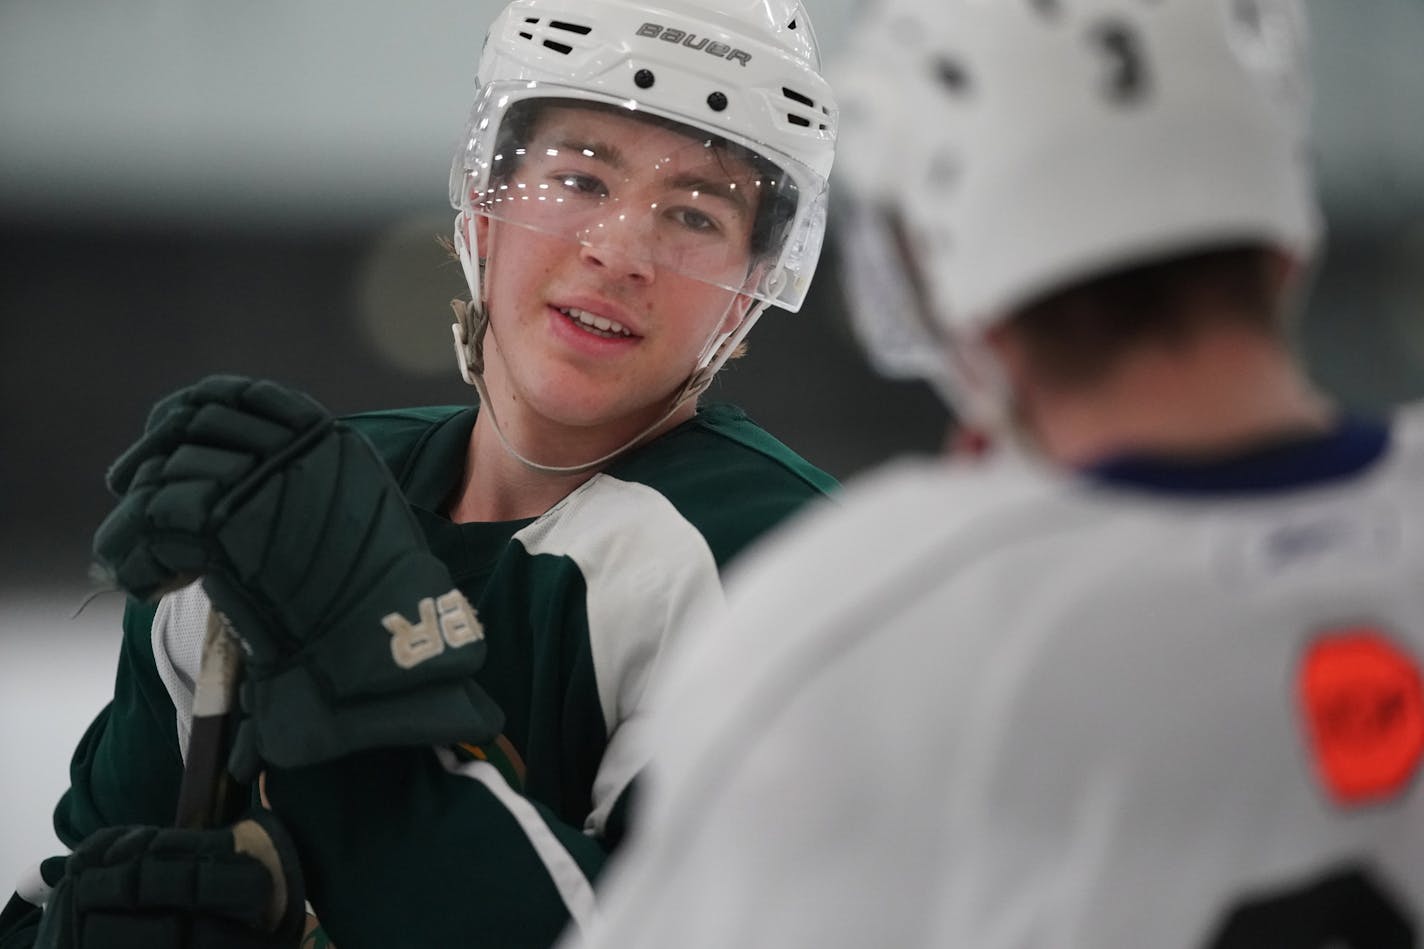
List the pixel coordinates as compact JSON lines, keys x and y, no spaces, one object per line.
{"x":615,"y":251}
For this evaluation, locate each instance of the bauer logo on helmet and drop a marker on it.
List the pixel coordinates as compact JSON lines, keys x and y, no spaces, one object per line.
{"x":693,"y":41}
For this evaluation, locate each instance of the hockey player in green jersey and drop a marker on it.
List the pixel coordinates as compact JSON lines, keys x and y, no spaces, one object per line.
{"x":455,"y":619}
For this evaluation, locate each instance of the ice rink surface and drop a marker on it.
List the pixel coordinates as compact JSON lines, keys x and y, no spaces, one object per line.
{"x":56,"y":673}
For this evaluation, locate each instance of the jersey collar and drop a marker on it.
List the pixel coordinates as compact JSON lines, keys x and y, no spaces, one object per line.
{"x":1352,"y":446}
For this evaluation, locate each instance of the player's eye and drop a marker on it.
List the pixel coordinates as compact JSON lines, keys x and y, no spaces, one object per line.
{"x":695,"y":221}
{"x":582,"y":184}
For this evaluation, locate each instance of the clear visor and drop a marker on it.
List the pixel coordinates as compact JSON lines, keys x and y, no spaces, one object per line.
{"x":648,"y":193}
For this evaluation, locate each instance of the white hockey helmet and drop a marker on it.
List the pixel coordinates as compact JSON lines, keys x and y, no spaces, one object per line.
{"x":746,"y":72}
{"x":1067,"y":138}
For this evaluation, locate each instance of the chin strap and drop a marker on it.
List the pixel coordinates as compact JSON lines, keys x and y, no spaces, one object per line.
{"x":979,"y":390}
{"x":984,"y":400}
{"x":471,"y":324}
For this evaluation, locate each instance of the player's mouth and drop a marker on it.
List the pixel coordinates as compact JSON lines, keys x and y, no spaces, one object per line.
{"x":595,"y":324}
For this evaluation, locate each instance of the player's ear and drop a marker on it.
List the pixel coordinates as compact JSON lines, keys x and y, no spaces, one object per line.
{"x":736,"y":312}
{"x":742,"y":303}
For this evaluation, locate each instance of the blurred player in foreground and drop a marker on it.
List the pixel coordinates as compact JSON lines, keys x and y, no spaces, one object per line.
{"x":635,"y":185}
{"x":1150,"y":674}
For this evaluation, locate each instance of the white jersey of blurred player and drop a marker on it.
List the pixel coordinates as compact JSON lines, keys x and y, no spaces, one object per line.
{"x":1006,"y":712}
{"x":1136,"y":698}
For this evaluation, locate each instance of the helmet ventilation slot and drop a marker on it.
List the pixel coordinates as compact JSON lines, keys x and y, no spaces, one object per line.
{"x":798,"y":117}
{"x":541,"y":35}
{"x":795,"y":96}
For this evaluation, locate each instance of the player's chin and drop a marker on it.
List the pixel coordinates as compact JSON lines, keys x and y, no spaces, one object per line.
{"x":578,"y":404}
{"x":609,"y":406}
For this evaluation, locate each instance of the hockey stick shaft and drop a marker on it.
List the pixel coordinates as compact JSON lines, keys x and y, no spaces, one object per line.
{"x":208,"y":791}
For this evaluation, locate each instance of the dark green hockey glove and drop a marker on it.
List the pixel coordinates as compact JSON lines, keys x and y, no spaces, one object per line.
{"x":238,"y":887}
{"x":354,"y":634}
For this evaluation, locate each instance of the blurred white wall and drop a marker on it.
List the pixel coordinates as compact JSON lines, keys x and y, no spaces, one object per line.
{"x":322,"y":111}
{"x":1369,"y":121}
{"x":315,"y":110}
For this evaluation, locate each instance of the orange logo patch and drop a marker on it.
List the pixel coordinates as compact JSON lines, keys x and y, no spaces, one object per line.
{"x":1363,"y":704}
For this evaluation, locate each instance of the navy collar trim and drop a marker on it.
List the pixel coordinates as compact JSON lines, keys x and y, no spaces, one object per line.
{"x":1352,"y":446}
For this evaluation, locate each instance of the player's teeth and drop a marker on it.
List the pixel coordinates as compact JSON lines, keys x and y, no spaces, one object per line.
{"x":597,"y":322}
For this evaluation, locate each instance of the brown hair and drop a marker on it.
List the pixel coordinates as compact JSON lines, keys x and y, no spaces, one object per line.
{"x":1075,"y":335}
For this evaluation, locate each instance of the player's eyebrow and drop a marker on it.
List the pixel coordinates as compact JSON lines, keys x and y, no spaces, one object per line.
{"x":611,"y":155}
{"x":606,"y":152}
{"x":717,"y":188}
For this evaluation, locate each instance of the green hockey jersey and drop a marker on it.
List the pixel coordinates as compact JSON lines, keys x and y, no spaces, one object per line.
{"x":580,"y":606}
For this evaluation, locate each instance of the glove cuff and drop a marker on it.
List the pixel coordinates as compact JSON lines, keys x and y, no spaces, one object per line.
{"x":294,"y":723}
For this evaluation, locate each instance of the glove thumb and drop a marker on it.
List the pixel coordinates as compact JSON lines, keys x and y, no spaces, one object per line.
{"x":262,"y":837}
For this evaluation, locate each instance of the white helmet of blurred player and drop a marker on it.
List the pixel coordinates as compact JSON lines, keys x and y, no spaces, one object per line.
{"x":742,"y":72}
{"x":1062,"y":139}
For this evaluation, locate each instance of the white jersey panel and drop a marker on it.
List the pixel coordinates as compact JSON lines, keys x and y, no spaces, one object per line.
{"x":179,"y":626}
{"x":650,"y":576}
{"x":1001,"y":710}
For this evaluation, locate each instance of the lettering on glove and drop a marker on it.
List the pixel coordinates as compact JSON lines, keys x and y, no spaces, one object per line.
{"x":449,"y":620}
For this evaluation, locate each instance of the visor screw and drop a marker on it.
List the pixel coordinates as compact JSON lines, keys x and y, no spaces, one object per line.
{"x":716,"y":102}
{"x":643,"y":79}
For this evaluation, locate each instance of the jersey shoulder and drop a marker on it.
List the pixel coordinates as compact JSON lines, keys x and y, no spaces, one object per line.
{"x":887,"y":526}
{"x":732,"y":424}
{"x":727,"y":476}
{"x":399,"y":434}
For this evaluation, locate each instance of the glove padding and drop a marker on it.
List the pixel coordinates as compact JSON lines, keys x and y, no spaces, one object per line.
{"x":354,"y":634}
{"x":238,"y":887}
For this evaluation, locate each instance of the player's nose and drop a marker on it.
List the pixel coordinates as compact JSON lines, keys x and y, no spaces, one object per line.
{"x":622,"y":245}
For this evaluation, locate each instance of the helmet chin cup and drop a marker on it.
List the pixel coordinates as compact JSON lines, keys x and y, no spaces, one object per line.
{"x":462,"y":357}
{"x":467,"y":340}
